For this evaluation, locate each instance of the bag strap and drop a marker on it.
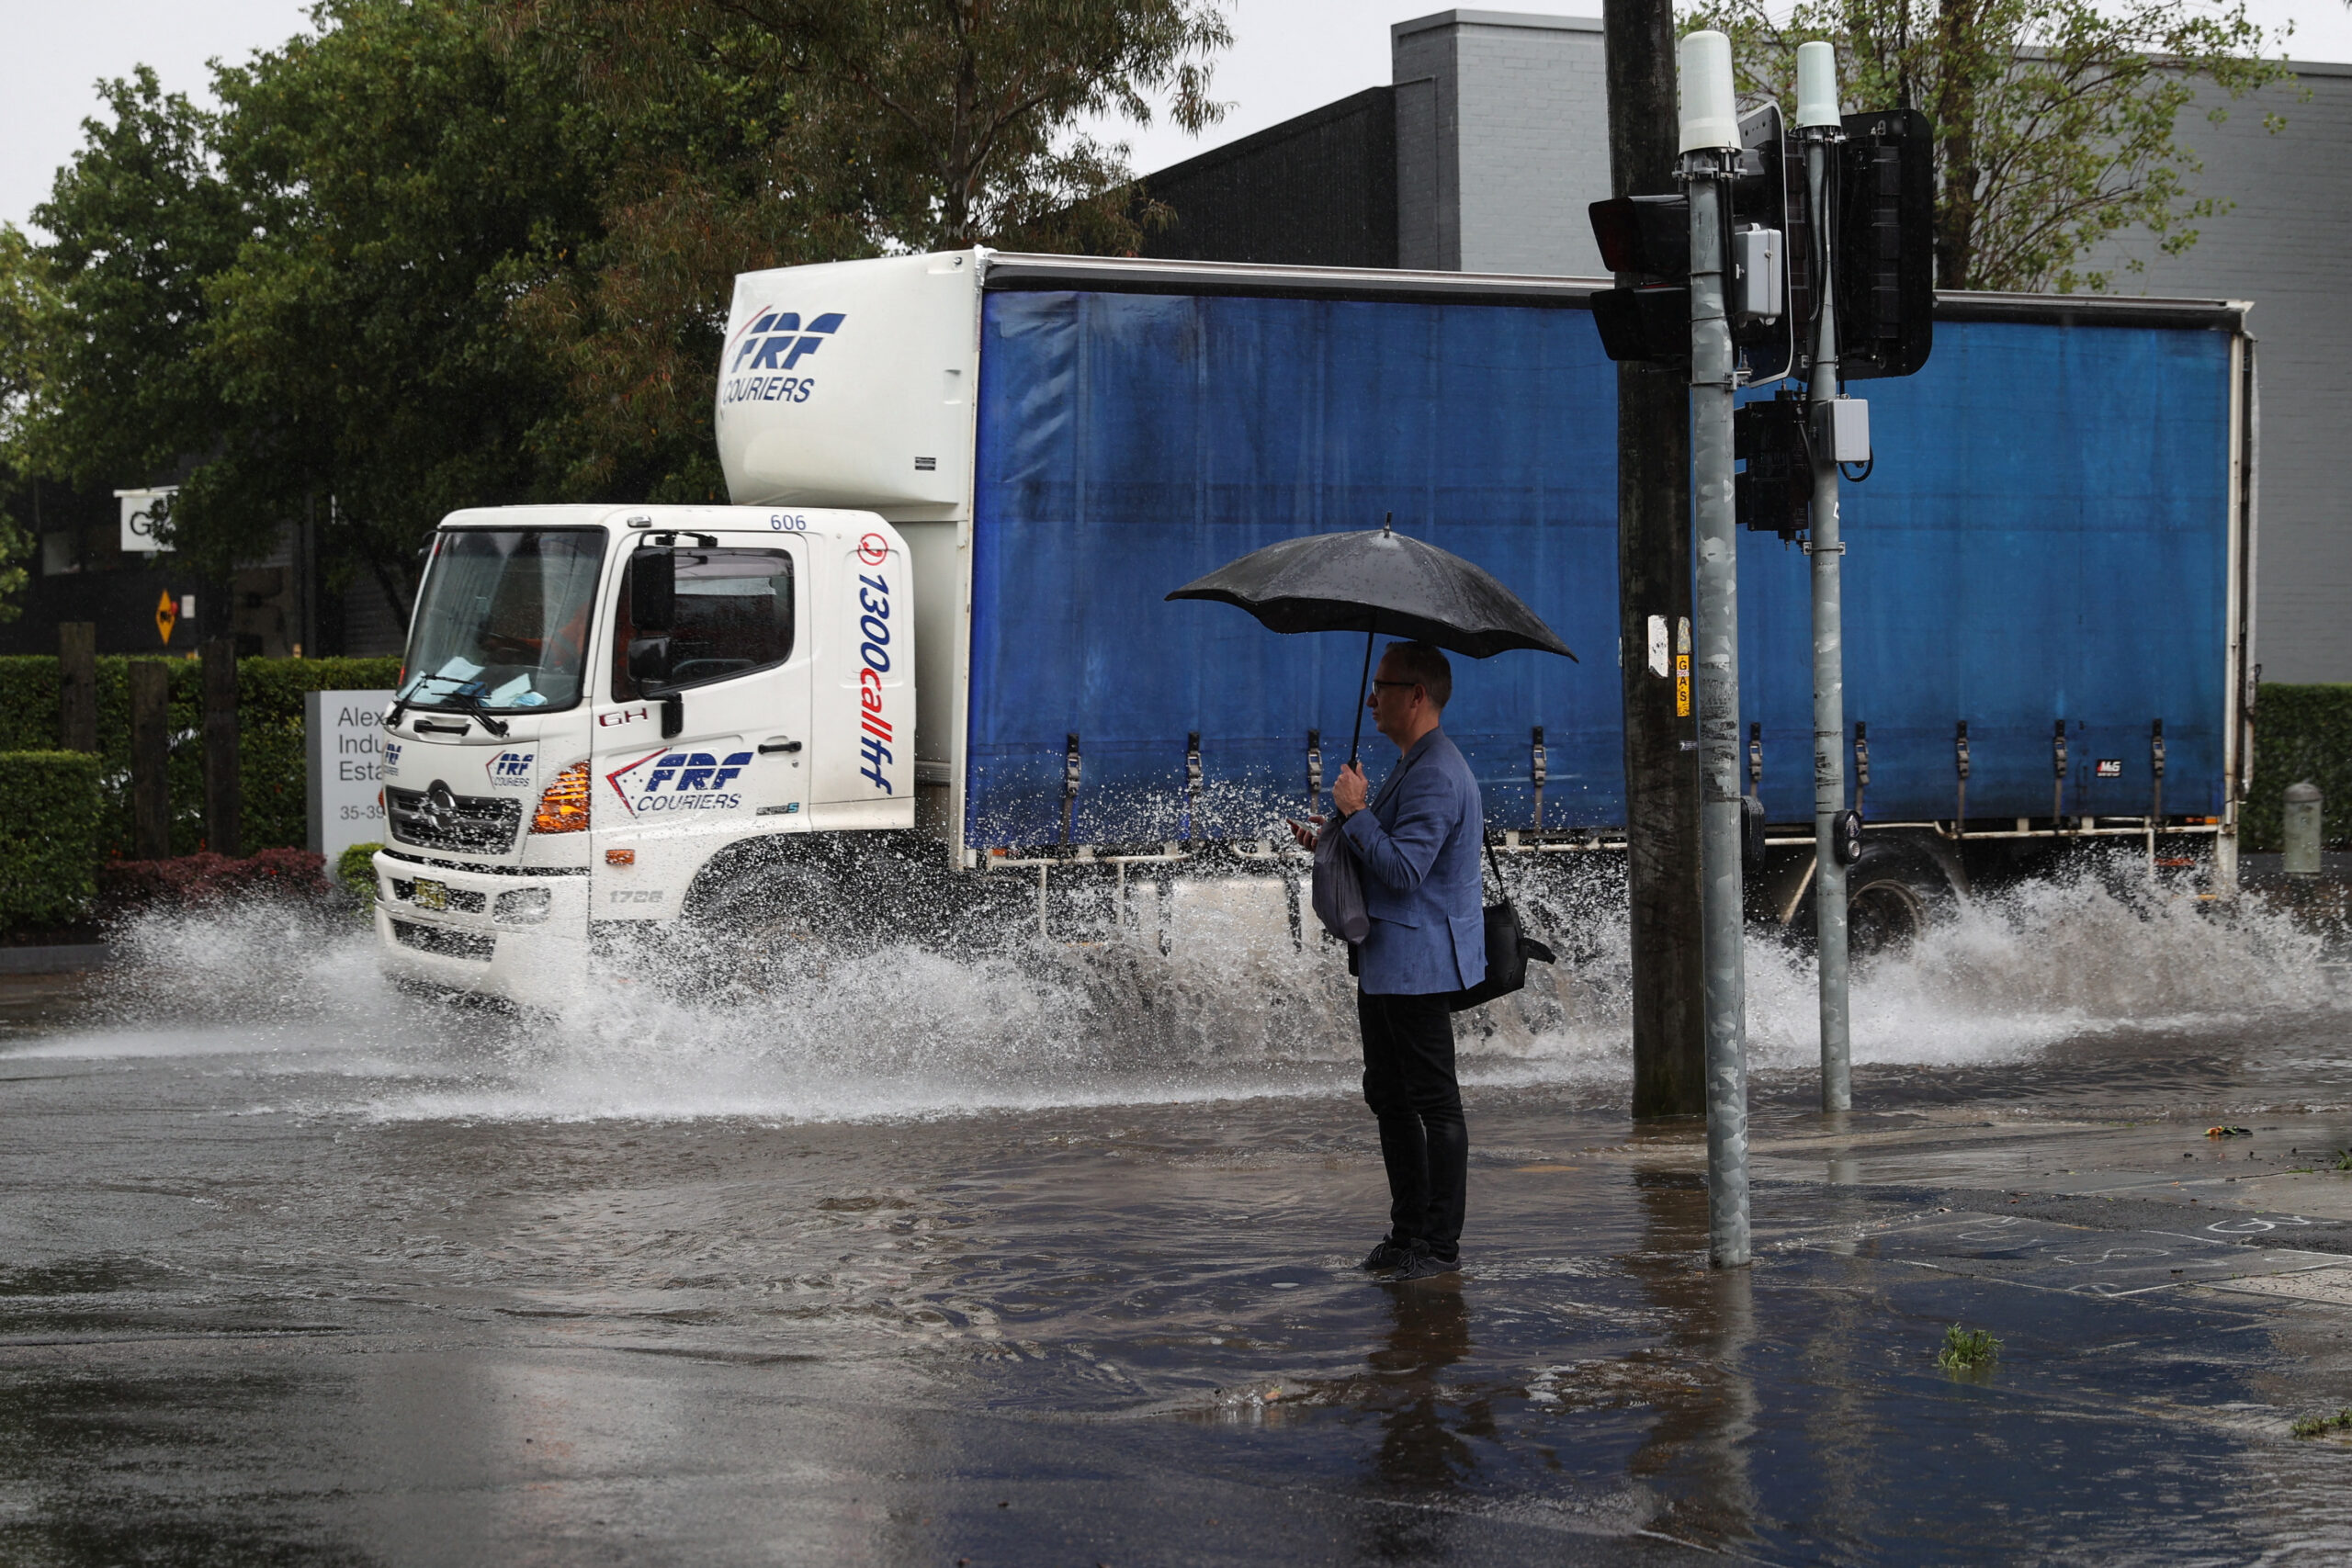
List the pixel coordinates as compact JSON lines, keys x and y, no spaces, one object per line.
{"x":1488,"y":839}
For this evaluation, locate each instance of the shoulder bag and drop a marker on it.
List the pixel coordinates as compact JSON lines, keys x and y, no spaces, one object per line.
{"x":1509,"y":950}
{"x":1338,"y":877}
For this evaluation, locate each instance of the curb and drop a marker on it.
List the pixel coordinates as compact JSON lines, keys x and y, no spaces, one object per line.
{"x":54,"y":960}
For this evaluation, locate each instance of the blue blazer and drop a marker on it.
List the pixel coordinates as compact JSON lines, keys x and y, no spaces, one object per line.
{"x":1418,"y":844}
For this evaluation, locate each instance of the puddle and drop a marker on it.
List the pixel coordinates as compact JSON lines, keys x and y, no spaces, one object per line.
{"x":1051,"y":1253}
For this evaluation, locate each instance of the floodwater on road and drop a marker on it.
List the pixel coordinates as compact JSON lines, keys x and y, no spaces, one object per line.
{"x":1047,"y":1257}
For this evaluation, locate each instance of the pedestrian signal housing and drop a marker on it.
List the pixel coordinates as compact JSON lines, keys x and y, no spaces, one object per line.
{"x":1774,"y":493}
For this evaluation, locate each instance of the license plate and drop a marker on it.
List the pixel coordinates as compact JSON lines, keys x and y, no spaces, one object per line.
{"x":431,"y":895}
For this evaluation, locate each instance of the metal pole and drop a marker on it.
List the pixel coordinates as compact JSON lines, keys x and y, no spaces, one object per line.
{"x":1816,"y":68}
{"x":1708,"y":132}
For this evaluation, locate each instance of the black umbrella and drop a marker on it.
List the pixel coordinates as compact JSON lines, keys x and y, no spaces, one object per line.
{"x":1375,"y":581}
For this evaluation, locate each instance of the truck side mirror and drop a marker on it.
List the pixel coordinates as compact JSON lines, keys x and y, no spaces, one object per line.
{"x":648,"y":661}
{"x":653,"y":593}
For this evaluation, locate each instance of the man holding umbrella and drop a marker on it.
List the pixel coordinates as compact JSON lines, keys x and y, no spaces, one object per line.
{"x":1417,"y":845}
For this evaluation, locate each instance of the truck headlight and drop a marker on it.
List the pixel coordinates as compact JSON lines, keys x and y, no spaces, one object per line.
{"x":523,"y":906}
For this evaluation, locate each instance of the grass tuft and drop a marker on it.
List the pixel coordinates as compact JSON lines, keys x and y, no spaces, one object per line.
{"x":2320,"y":1426}
{"x":1966,"y":1350}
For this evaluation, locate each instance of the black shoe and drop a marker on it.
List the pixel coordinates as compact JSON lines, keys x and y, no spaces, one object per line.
{"x":1389,"y":1254}
{"x":1425,"y":1265}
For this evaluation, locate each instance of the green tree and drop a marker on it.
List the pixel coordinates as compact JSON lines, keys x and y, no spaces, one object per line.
{"x":112,"y":387}
{"x":2056,"y":121}
{"x":404,"y":179}
{"x":435,"y":254}
{"x":302,"y":300}
{"x":768,"y":133}
{"x":26,"y":300}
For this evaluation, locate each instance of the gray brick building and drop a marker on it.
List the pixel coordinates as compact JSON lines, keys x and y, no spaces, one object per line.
{"x":1489,"y":141}
{"x":2282,"y":245}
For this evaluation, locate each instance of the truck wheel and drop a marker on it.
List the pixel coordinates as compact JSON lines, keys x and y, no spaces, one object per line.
{"x":1893,"y":893}
{"x":765,"y":927}
{"x":1884,"y":916}
{"x":1891,"y":897}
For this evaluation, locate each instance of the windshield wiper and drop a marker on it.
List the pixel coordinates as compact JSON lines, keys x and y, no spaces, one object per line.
{"x":463,"y":701}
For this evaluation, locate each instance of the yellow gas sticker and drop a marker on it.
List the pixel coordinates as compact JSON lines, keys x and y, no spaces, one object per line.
{"x":1682,"y":685}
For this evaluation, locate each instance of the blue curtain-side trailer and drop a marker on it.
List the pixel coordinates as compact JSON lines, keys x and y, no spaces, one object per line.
{"x":2055,"y":542}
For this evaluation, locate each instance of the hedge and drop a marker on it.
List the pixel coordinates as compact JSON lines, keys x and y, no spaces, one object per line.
{"x":356,"y":869}
{"x":2300,"y":732}
{"x":49,"y":843}
{"x":269,"y":750}
{"x":195,"y":881}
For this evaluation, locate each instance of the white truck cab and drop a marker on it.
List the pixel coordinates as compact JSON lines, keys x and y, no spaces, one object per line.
{"x":599,"y":702}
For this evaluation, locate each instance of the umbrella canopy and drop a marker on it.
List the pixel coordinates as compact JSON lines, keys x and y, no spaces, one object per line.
{"x":1371,"y":582}
{"x":1378,"y":582}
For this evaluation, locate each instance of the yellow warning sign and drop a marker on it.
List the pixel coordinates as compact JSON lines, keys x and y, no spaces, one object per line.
{"x":167,"y":615}
{"x":1682,"y":685}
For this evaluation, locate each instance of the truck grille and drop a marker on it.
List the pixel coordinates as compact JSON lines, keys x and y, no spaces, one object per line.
{"x":436,"y":819}
{"x":449,"y":943}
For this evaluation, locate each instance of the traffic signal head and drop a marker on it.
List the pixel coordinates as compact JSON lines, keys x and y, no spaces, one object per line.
{"x":1885,"y":263}
{"x":1645,"y":241}
{"x":1767,"y":264}
{"x":1650,"y":323}
{"x":1647,"y":236}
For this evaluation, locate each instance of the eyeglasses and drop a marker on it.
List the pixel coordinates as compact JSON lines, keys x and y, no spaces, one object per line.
{"x":1377,"y":682}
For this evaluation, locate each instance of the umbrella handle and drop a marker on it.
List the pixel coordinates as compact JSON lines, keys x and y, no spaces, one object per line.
{"x":1364,"y":684}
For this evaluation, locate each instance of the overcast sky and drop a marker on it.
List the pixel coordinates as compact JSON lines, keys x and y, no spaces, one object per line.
{"x":1289,"y":56}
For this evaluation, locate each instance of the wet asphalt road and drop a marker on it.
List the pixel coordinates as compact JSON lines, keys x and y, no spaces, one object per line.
{"x":279,"y":1289}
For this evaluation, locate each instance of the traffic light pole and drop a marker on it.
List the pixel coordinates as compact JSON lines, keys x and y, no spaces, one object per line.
{"x":1817,"y":122}
{"x":1709,"y":138}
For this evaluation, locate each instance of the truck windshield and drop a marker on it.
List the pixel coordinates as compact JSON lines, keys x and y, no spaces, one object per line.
{"x":502,"y":622}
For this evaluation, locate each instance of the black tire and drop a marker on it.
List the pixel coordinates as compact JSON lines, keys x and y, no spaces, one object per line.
{"x":1887,"y":911}
{"x":761,"y":929}
{"x":1894,"y":893}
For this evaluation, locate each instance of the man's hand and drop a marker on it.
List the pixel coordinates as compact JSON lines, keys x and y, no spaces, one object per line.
{"x":1302,"y":832}
{"x":1349,"y":791}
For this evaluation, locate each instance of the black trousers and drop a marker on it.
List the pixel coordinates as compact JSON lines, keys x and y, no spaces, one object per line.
{"x":1408,"y":1082}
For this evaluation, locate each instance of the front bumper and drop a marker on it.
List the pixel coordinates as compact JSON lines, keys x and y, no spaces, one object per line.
{"x":521,"y":937}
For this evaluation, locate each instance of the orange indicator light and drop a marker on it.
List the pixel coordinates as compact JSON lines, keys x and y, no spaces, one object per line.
{"x":563,"y":804}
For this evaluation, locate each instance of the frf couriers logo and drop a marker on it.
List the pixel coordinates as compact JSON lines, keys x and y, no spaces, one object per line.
{"x":874,"y":652}
{"x":679,"y":781}
{"x":510,"y":769}
{"x":774,"y":342}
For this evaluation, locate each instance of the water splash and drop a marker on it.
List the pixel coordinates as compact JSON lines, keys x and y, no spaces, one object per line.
{"x":1205,"y":999}
{"x":2019,"y":970}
